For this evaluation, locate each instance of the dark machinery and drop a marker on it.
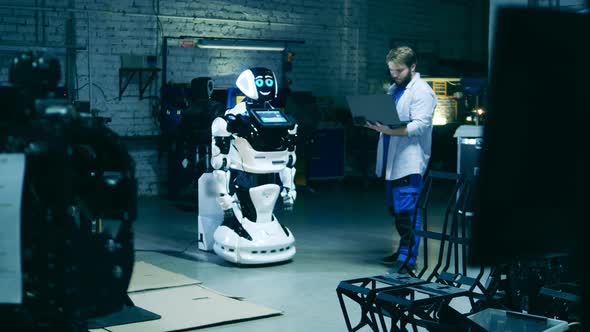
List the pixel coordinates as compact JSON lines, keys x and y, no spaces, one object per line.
{"x":79,"y":199}
{"x":187,"y":113}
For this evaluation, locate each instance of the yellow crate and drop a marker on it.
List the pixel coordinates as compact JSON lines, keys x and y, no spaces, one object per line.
{"x":440,"y":88}
{"x":440,"y":85}
{"x":445,"y":111}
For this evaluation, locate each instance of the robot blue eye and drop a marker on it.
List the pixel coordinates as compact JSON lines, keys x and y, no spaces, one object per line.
{"x":269,"y":82}
{"x":259,"y":82}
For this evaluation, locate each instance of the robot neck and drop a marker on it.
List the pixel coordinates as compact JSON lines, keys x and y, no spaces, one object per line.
{"x":257,"y":104}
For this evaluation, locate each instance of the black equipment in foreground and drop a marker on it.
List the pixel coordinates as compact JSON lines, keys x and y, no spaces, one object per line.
{"x":185,"y":123}
{"x":79,"y":201}
{"x":530,"y":197}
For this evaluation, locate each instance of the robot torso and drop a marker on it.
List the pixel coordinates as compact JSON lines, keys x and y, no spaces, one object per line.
{"x":263,"y":139}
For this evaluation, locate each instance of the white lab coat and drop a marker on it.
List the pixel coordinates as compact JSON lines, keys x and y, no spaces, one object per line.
{"x":410,"y":154}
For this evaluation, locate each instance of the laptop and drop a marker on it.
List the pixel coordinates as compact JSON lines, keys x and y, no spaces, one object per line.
{"x":374,"y":108}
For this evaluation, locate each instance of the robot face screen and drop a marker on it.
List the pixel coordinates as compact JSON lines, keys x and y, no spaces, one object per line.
{"x":258,"y":83}
{"x":265,"y":87}
{"x":264,"y":84}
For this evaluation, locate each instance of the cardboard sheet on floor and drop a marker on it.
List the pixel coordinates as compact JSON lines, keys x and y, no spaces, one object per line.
{"x":147,"y":276}
{"x":128,"y":314}
{"x":190,"y":307}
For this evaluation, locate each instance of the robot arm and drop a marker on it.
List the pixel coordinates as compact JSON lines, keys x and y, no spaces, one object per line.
{"x":220,"y":145}
{"x":287,"y":174}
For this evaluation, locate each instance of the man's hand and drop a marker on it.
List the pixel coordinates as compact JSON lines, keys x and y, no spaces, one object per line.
{"x":378,"y":126}
{"x":225,"y":201}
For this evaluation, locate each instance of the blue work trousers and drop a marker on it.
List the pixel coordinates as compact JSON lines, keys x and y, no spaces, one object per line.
{"x":402,"y":197}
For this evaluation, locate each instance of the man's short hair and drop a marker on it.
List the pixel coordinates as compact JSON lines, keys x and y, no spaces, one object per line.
{"x":402,"y":55}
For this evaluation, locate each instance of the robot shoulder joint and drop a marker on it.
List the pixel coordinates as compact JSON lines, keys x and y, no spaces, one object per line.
{"x":219,"y":127}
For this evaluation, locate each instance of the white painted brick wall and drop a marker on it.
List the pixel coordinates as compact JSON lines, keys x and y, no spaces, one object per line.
{"x":148,"y":170}
{"x":345,"y":45}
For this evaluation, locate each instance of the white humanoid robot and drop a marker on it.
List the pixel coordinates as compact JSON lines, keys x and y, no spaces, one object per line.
{"x":252,"y":143}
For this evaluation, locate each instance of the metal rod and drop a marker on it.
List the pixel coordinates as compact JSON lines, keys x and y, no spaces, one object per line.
{"x":70,"y":23}
{"x":43,"y":22}
{"x":293,"y":41}
{"x":164,"y":61}
{"x":36,"y":22}
{"x":88,"y":46}
{"x":357,"y":62}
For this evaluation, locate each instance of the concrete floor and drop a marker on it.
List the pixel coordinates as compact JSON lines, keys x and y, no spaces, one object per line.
{"x":342,"y":229}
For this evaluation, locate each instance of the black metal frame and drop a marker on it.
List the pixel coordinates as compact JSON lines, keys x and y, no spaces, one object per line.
{"x":129,"y":73}
{"x":395,"y":295}
{"x":404,"y":305}
{"x":364,"y":290}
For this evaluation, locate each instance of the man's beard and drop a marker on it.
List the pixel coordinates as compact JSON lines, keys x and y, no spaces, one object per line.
{"x":405,"y":81}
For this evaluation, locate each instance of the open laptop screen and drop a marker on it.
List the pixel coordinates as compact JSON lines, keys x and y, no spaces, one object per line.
{"x":374,"y":108}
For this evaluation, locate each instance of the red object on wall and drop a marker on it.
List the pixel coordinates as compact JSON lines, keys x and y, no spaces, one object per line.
{"x":187,"y":43}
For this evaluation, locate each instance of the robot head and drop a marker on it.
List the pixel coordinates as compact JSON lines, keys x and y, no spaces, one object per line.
{"x":201,"y":88}
{"x":259,"y":84}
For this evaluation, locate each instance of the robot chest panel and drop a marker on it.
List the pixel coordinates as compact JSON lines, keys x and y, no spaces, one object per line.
{"x":267,"y":140}
{"x":245,"y":157}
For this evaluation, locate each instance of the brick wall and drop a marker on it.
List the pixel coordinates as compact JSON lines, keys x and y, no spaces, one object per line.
{"x":345,"y":45}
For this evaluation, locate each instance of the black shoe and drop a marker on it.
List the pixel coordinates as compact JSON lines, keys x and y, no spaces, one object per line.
{"x":390,"y":259}
{"x":399,"y":267}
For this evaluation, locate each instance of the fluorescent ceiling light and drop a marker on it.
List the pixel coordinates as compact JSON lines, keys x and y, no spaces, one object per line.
{"x":252,"y":45}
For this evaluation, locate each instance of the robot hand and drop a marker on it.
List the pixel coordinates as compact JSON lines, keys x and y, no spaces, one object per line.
{"x":225,"y":201}
{"x":289,"y":196}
